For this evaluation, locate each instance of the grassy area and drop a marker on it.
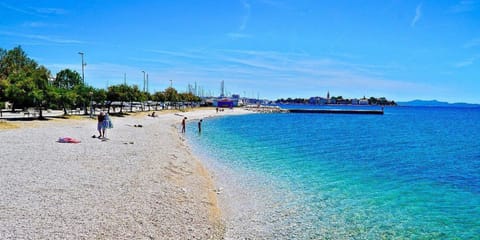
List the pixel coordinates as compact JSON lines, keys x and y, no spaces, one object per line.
{"x":8,"y":125}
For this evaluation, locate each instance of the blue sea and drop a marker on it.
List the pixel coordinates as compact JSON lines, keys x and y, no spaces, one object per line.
{"x":411,"y":173}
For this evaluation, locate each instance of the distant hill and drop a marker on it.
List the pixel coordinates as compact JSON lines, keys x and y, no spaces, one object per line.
{"x":435,"y":103}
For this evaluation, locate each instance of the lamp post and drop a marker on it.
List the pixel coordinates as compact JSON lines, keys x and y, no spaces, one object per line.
{"x":147,"y":82}
{"x":91,"y":104}
{"x":83,"y":67}
{"x":83,"y":82}
{"x":143,"y":80}
{"x":171,"y":83}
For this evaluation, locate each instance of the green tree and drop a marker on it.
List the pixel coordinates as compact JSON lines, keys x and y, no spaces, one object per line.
{"x":40,"y":78}
{"x":23,"y":81}
{"x":15,"y":61}
{"x":118,"y":93}
{"x":67,"y":82}
{"x":67,"y":79}
{"x":171,"y":95}
{"x":83,"y":95}
{"x":3,"y":78}
{"x":189,"y":97}
{"x":100,"y":96}
{"x":159,"y":97}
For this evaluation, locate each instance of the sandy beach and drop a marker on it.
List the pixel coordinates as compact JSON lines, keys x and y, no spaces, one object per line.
{"x":142,"y":183}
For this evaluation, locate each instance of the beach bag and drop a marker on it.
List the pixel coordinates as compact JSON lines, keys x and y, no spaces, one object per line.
{"x":109,"y":121}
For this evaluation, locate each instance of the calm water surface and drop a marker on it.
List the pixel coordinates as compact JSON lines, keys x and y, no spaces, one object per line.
{"x":411,"y":173}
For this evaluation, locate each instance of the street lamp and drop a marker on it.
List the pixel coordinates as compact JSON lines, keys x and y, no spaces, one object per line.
{"x":91,"y":104}
{"x":83,"y":67}
{"x":143,"y":80}
{"x":171,"y":83}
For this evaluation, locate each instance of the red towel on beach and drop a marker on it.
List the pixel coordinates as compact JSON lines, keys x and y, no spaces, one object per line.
{"x":68,"y":140}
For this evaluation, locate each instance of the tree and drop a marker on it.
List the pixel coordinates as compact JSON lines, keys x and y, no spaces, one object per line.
{"x":100,"y":96}
{"x":67,"y":79}
{"x":15,"y":61}
{"x":171,"y":94}
{"x":66,"y":83}
{"x":3,"y":78}
{"x":118,"y":93}
{"x":159,"y":97}
{"x":23,"y":81}
{"x":83,"y":91}
{"x":40,"y":78}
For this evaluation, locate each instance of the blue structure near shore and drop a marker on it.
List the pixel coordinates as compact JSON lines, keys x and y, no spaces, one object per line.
{"x":225,"y":102}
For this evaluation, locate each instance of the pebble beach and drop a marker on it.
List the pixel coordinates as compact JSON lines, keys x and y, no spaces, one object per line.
{"x":141,"y":183}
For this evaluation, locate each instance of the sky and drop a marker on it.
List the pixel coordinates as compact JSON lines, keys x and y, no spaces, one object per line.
{"x":401,"y":50}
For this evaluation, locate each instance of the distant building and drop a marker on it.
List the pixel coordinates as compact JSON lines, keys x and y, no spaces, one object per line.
{"x":363,"y":101}
{"x":317,"y":101}
{"x":225,"y":102}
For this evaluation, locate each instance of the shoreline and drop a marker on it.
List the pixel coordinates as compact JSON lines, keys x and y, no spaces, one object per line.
{"x":137,"y":184}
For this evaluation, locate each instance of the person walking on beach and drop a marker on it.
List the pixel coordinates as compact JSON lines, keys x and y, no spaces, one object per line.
{"x":200,"y":126}
{"x":102,"y":124}
{"x":183,"y":124}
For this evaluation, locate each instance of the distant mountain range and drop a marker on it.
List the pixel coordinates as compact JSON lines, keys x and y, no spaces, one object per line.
{"x":435,"y":103}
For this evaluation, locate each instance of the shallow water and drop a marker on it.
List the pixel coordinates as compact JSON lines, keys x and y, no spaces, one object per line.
{"x":411,"y":173}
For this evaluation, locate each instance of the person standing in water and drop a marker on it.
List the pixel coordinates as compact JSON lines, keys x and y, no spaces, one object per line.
{"x":183,"y":124}
{"x":200,"y":126}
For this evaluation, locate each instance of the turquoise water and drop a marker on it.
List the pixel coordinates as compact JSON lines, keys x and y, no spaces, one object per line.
{"x":411,"y":173}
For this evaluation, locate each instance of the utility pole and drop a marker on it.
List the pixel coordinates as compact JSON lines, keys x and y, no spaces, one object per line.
{"x":147,"y":82}
{"x":171,"y":83}
{"x":83,"y":67}
{"x":143,"y":80}
{"x":83,"y":82}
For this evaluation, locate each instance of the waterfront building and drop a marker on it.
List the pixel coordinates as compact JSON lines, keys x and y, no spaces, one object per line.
{"x":317,"y":101}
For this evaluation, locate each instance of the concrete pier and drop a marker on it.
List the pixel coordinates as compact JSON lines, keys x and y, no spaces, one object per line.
{"x":337,"y":111}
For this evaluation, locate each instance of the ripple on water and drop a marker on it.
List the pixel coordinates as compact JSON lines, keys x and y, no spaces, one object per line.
{"x":341,"y":176}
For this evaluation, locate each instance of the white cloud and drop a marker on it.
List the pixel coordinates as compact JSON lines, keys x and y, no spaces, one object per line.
{"x":236,"y":35}
{"x":239,"y":32}
{"x":418,"y":15}
{"x":183,"y":54}
{"x":246,"y":17}
{"x":41,"y":25}
{"x":472,"y":43}
{"x":39,"y":12}
{"x":464,"y":6}
{"x":44,"y":38}
{"x":275,"y":73}
{"x":53,"y":11}
{"x":466,"y":62}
